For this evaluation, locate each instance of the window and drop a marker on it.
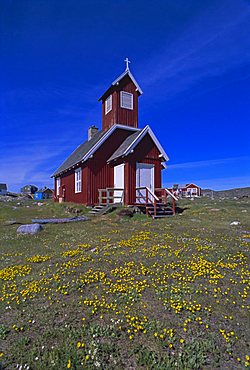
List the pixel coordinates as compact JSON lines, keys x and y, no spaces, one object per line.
{"x":58,"y":183}
{"x":108,"y":104}
{"x":126,"y":100}
{"x":78,"y":180}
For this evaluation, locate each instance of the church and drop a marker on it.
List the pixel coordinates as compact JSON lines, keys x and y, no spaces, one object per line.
{"x":121,"y":163}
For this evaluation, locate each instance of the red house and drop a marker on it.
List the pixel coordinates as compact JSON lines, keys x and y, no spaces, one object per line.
{"x":186,"y":190}
{"x":119,"y":164}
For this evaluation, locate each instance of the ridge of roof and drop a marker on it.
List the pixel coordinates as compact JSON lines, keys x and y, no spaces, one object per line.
{"x":127,"y":72}
{"x":118,"y":79}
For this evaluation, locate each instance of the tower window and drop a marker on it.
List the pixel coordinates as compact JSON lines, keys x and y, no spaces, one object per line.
{"x":126,"y":100}
{"x":108,"y":104}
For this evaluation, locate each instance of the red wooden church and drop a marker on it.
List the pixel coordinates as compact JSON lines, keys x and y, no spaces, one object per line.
{"x":119,"y":164}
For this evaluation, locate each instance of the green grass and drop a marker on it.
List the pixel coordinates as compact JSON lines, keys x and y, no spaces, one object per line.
{"x":122,"y":293}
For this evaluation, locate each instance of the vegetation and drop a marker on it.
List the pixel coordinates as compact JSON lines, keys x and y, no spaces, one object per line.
{"x":126,"y":293}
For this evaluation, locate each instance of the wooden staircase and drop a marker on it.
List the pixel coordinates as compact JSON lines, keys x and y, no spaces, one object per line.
{"x":102,"y":209}
{"x":155,"y":205}
{"x":160,"y":211}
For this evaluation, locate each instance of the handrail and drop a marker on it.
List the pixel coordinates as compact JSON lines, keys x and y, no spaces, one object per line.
{"x":110,"y":198}
{"x":165,"y":192}
{"x":168,"y":192}
{"x":148,"y":199}
{"x":150,"y":192}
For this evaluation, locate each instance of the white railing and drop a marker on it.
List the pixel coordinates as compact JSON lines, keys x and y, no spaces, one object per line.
{"x":110,"y":195}
{"x":163,"y":195}
{"x":145,"y":196}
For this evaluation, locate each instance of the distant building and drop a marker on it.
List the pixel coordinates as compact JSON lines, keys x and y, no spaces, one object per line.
{"x":44,"y":193}
{"x":3,"y":189}
{"x":29,"y":189}
{"x":186,"y":190}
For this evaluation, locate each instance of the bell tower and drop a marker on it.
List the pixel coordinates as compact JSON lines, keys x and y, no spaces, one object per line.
{"x":120,"y":101}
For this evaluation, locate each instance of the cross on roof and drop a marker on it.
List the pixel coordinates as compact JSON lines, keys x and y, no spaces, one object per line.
{"x":127,"y":62}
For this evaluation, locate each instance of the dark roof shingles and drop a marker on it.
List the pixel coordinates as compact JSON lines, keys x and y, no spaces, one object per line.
{"x":124,"y":146}
{"x":79,"y":153}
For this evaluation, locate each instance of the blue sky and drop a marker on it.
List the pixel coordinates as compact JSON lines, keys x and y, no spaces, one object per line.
{"x":191,"y":59}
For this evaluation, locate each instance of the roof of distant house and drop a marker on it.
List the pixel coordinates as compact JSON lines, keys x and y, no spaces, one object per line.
{"x":3,"y":187}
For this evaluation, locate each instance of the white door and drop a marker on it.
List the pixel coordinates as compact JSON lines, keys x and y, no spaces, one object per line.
{"x":144,"y":178}
{"x":118,"y":183}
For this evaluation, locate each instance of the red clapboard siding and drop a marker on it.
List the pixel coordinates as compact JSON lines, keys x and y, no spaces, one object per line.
{"x":145,"y":152}
{"x":120,"y":115}
{"x":96,"y":173}
{"x":68,"y":182}
{"x":102,"y":174}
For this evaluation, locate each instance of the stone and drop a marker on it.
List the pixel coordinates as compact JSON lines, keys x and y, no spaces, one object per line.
{"x":235,"y":223}
{"x":29,"y":229}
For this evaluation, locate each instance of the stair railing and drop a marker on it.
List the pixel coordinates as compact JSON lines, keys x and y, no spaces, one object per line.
{"x":149,"y":198}
{"x":107,"y":196}
{"x":164,"y":193}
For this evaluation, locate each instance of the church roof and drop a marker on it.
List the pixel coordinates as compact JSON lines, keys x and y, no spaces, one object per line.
{"x":131,"y":142}
{"x":115,"y":82}
{"x":79,"y":153}
{"x":86,"y":149}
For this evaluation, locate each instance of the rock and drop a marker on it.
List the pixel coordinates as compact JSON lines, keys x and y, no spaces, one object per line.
{"x":39,"y":204}
{"x":125,"y":213}
{"x":29,"y":229}
{"x":235,"y":223}
{"x":244,"y":211}
{"x":11,"y":222}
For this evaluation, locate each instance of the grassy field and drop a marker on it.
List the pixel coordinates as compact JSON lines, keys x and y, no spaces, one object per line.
{"x":122,"y":293}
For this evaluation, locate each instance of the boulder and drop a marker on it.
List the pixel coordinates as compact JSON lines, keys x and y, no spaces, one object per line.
{"x":235,"y":223}
{"x":29,"y":229}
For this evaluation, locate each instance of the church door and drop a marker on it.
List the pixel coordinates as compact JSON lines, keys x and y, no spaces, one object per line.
{"x":119,"y":183}
{"x":144,"y":178}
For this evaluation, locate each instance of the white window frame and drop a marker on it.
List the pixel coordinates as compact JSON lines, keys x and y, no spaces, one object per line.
{"x":125,"y":93}
{"x":108,"y":104}
{"x":78,"y":180}
{"x":58,"y":185}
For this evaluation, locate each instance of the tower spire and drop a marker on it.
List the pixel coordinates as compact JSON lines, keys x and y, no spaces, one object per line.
{"x":127,"y":62}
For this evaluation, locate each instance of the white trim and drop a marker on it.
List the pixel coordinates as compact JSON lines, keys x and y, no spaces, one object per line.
{"x":78,"y":180}
{"x":108,"y":104}
{"x":146,"y":130}
{"x":123,"y":95}
{"x":104,"y":138}
{"x":96,"y":146}
{"x":127,"y":72}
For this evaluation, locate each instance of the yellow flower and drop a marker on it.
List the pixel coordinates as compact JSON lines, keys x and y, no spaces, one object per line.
{"x":182,"y":340}
{"x":69,"y":364}
{"x":78,"y":344}
{"x":87,"y":357}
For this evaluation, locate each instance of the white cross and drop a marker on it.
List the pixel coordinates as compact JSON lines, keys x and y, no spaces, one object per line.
{"x":127,"y":62}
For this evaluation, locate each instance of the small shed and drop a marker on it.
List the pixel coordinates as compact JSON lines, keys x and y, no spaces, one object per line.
{"x":44,"y":193}
{"x":29,"y":189}
{"x":3,"y":189}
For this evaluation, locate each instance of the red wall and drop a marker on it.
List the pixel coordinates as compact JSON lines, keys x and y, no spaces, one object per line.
{"x":120,"y":115}
{"x":97,"y":174}
{"x":145,"y":152}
